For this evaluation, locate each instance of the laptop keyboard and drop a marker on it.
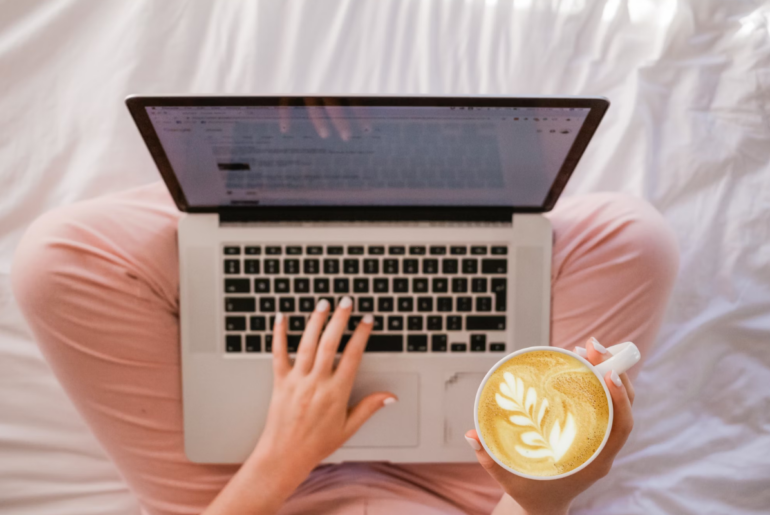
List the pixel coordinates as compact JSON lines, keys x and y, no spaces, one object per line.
{"x":424,"y":298}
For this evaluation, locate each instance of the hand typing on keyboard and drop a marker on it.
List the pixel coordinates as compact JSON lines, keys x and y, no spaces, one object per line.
{"x":308,"y":417}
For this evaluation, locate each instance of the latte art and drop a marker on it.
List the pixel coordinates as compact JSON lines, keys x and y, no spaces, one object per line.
{"x":543,"y":413}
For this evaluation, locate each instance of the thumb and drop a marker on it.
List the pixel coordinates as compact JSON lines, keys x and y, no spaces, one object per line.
{"x":365,"y":408}
{"x":497,"y":472}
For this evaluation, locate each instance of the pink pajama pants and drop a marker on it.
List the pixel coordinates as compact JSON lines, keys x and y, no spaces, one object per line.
{"x":98,"y":283}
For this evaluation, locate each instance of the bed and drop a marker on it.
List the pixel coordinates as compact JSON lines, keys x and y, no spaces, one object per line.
{"x":689,"y":130}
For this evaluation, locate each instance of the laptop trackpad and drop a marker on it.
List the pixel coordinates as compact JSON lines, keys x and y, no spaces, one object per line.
{"x":395,"y":425}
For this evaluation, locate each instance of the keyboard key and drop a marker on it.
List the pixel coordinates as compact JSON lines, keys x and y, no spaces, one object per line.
{"x":478,"y":250}
{"x":232,"y":266}
{"x":396,"y":250}
{"x":438,"y":343}
{"x":366,"y":304}
{"x":251,"y":266}
{"x":353,"y":322}
{"x":417,"y":343}
{"x":470,"y":266}
{"x":294,"y":250}
{"x":396,"y":323}
{"x":483,"y":303}
{"x":405,"y":304}
{"x":235,"y":323}
{"x":266,"y":304}
{"x":271,"y":321}
{"x":301,"y":285}
{"x":437,"y":251}
{"x":464,"y":304}
{"x":400,"y":285}
{"x":361,"y":285}
{"x":385,"y":343}
{"x":497,"y":347}
{"x":253,"y":343}
{"x":479,"y":285}
{"x":414,"y":323}
{"x":350,"y":266}
{"x":233,"y":343}
{"x":390,"y":266}
{"x":440,"y":285}
{"x":261,"y":285}
{"x":335,"y":250}
{"x":310,"y":266}
{"x":331,"y":266}
{"x":273,"y":251}
{"x":385,"y":304}
{"x":253,"y":251}
{"x":240,"y":305}
{"x":292,"y":342}
{"x":379,"y":324}
{"x":417,"y":250}
{"x":449,"y":266}
{"x":411,"y":266}
{"x":237,"y":286}
{"x":435,"y":323}
{"x":281,"y":285}
{"x":459,"y":347}
{"x":454,"y":323}
{"x":420,"y":285}
{"x":356,"y":250}
{"x":286,"y":304}
{"x":381,"y":285}
{"x":343,"y":342}
{"x":376,"y":250}
{"x":499,"y":251}
{"x":291,"y":266}
{"x":459,"y":285}
{"x":257,"y":323}
{"x":494,"y":266}
{"x":314,"y":250}
{"x":484,"y":323}
{"x":430,"y":266}
{"x":306,"y":304}
{"x":296,"y":323}
{"x":371,"y":266}
{"x":320,"y":285}
{"x":478,"y":342}
{"x":499,"y":289}
{"x":330,"y":300}
{"x":341,"y":285}
{"x":425,"y":304}
{"x":458,"y":251}
{"x":444,"y":304}
{"x":232,"y":251}
{"x":272,"y":266}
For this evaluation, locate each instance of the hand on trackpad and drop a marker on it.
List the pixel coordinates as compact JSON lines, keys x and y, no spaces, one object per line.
{"x":394,"y":426}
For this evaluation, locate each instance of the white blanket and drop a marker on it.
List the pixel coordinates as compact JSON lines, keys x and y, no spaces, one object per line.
{"x":689,"y":130}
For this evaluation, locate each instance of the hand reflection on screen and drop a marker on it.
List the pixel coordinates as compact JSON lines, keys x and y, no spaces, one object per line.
{"x":328,"y":117}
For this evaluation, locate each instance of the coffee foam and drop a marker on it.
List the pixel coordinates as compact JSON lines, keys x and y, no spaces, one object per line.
{"x":543,"y":413}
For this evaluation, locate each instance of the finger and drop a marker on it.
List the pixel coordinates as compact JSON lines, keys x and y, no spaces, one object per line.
{"x":596,"y":352}
{"x":330,"y":339}
{"x":365,"y":408}
{"x":309,"y":342}
{"x":281,"y":365}
{"x":623,"y":421}
{"x":354,"y":350}
{"x":316,"y":115}
{"x":336,"y":114}
{"x":284,"y":115}
{"x":629,"y":387}
{"x":497,"y":472}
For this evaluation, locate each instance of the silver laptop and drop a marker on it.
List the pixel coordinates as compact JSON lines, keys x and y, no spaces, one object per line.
{"x":426,"y":211}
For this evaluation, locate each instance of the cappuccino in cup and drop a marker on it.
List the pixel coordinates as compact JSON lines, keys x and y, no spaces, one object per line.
{"x":544,"y":412}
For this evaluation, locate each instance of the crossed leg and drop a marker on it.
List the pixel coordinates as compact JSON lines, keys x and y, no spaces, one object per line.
{"x":98,"y":283}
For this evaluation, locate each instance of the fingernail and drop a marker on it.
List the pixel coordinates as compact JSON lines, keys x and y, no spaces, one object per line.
{"x":580,"y":351}
{"x":389,"y":400}
{"x":598,"y":346}
{"x":368,"y":319}
{"x":278,"y":318}
{"x":345,"y":302}
{"x":322,"y":305}
{"x":616,"y":379}
{"x":473,"y":443}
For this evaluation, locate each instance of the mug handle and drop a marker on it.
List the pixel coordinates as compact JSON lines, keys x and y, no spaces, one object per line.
{"x":624,"y":356}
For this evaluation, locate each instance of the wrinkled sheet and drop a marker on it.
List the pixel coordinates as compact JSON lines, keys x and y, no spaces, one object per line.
{"x":689,"y":130}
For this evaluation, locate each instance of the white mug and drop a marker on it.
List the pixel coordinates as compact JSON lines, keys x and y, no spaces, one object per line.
{"x":624,"y":356}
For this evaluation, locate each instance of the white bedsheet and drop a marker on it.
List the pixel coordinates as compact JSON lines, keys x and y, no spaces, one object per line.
{"x":689,"y":129}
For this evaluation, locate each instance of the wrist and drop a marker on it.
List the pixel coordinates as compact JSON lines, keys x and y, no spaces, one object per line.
{"x":277,"y":472}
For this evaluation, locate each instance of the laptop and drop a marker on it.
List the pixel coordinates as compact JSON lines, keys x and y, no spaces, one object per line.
{"x":426,"y":211}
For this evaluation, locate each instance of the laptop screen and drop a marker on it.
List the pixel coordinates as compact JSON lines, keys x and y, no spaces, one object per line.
{"x":332,"y":153}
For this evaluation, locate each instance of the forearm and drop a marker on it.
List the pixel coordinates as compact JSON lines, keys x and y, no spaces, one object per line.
{"x":507,"y":506}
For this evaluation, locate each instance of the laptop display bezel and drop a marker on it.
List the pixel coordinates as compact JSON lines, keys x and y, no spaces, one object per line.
{"x":137,"y":106}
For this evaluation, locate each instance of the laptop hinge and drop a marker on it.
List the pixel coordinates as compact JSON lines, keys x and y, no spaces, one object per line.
{"x":367,"y":214}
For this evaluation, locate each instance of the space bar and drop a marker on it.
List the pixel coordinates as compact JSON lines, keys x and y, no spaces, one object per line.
{"x":385,"y":343}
